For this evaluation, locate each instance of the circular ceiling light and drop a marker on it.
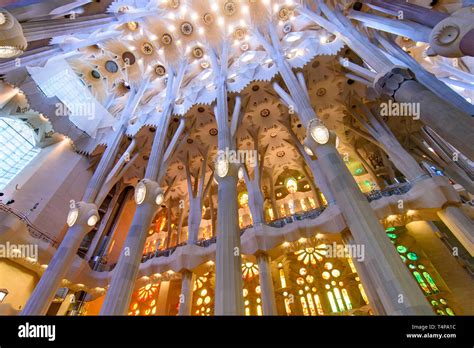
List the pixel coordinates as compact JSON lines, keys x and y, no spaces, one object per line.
{"x":198,"y":52}
{"x":140,"y":192}
{"x":287,"y":28}
{"x":213,"y":132}
{"x":204,"y":64}
{"x":160,"y":197}
{"x":207,"y":18}
{"x":160,"y":70}
{"x":132,"y":26}
{"x":244,"y":47}
{"x":308,"y":151}
{"x":72,"y":217}
{"x":92,"y":220}
{"x":147,"y":48}
{"x":230,"y":7}
{"x":174,"y":3}
{"x":239,"y":34}
{"x":222,"y":167}
{"x":265,"y":113}
{"x":319,"y":132}
{"x":186,"y":28}
{"x":166,"y":39}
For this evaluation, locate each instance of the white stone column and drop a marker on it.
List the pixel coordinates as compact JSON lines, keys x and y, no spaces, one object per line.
{"x":460,"y":225}
{"x":49,"y":283}
{"x":266,"y":284}
{"x":396,"y":288}
{"x":41,"y":298}
{"x":186,"y":296}
{"x":120,"y":291}
{"x":228,"y":289}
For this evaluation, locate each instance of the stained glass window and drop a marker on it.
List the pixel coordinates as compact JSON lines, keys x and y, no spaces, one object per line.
{"x":17,"y":148}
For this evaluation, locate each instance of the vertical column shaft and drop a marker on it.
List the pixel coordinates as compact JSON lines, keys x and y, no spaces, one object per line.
{"x":186,"y":297}
{"x":266,"y":284}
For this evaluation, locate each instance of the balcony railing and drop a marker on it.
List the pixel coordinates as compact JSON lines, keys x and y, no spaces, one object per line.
{"x":399,"y":189}
{"x":34,"y":231}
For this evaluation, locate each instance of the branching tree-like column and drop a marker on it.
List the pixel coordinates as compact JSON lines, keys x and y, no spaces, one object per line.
{"x":229,"y":298}
{"x":400,"y":83}
{"x":460,"y":224}
{"x":253,"y":182}
{"x":197,"y":191}
{"x":396,"y":288}
{"x":82,"y":217}
{"x":148,"y":196}
{"x":318,"y":176}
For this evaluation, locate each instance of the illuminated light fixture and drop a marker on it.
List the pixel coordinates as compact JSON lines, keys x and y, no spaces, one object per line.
{"x":319,"y":132}
{"x":92,"y":220}
{"x":72,"y":216}
{"x":140,"y":192}
{"x":247,"y":57}
{"x":12,"y":40}
{"x":308,"y":151}
{"x":222,"y":167}
{"x":160,"y":197}
{"x":293,"y":37}
{"x":241,"y":173}
{"x":291,"y":185}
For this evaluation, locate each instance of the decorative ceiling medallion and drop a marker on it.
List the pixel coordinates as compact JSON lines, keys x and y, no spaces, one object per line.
{"x":198,"y":52}
{"x":330,"y":38}
{"x":287,"y":28}
{"x":321,"y":92}
{"x":230,"y":7}
{"x":280,"y":154}
{"x":173,"y":3}
{"x":239,"y":34}
{"x":190,"y":141}
{"x":208,"y":18}
{"x":265,"y":113}
{"x":123,"y":9}
{"x":244,"y":47}
{"x":213,"y":132}
{"x":204,"y":64}
{"x":284,"y":14}
{"x":186,"y":28}
{"x":160,"y":70}
{"x":255,"y":88}
{"x":166,"y":39}
{"x":147,"y":48}
{"x":128,"y":58}
{"x":201,"y":109}
{"x":111,"y":66}
{"x":180,"y":167}
{"x":273,"y":135}
{"x":132,"y":26}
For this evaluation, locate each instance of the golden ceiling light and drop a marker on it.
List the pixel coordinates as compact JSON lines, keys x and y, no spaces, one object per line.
{"x":12,"y":41}
{"x":160,"y":70}
{"x":230,"y":7}
{"x":174,"y":3}
{"x":186,"y":28}
{"x":208,"y":18}
{"x":166,"y":39}
{"x":198,"y":52}
{"x":147,"y":48}
{"x":132,"y":26}
{"x":239,"y":33}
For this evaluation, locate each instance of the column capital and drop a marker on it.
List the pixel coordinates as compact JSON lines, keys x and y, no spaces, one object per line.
{"x":388,"y":82}
{"x":83,"y":214}
{"x":148,"y":191}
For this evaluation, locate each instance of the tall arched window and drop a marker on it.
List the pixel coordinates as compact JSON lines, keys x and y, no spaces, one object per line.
{"x":17,"y":148}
